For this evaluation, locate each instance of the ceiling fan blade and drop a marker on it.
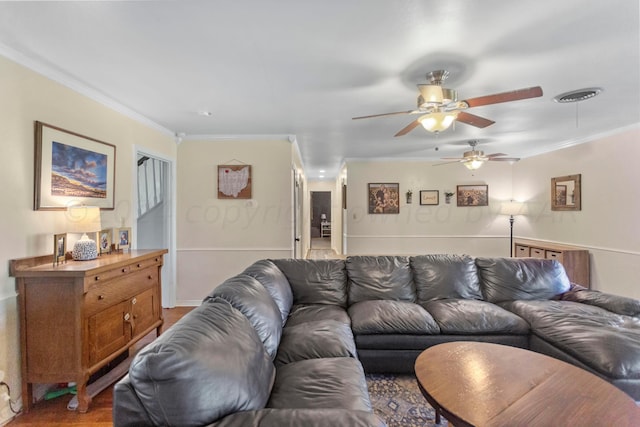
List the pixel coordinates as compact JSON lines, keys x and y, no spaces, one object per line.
{"x":408,"y":128}
{"x":504,"y":159}
{"x":531,"y":92}
{"x":473,"y":120}
{"x":447,"y":163}
{"x":383,"y":115}
{"x":453,"y":158}
{"x":495,"y":155}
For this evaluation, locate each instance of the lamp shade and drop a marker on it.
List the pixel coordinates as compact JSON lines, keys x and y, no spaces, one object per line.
{"x":438,"y":121}
{"x":84,"y":219}
{"x":511,"y":208}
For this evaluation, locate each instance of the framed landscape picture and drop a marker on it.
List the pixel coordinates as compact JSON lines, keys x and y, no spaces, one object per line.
{"x":429,"y":197}
{"x":473,"y":195}
{"x":384,"y":198}
{"x":72,"y":169}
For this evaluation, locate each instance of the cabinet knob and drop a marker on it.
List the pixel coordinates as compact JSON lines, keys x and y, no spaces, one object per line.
{"x":97,"y":278}
{"x":124,"y":270}
{"x":134,"y":301}
{"x":100,"y":297}
{"x":139,"y":265}
{"x":150,"y":277}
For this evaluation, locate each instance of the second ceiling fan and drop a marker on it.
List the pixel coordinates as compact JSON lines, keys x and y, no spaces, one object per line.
{"x":439,"y":107}
{"x":475,"y":158}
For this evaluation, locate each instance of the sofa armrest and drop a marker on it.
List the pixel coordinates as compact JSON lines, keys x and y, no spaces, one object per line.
{"x":614,"y":303}
{"x":130,"y":411}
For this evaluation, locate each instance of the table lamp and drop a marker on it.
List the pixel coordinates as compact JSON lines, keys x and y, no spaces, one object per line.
{"x":84,"y":219}
{"x":323,"y":217}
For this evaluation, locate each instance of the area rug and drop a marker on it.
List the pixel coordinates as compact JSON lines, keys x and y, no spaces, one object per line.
{"x":398,"y":401}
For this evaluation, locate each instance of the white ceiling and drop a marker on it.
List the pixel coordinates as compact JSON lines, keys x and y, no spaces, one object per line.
{"x":305,"y":68}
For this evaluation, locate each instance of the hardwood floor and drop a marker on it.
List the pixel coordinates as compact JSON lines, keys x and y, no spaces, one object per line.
{"x":54,"y":412}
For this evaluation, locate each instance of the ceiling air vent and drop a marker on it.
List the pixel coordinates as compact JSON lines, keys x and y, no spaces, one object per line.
{"x":577,"y":95}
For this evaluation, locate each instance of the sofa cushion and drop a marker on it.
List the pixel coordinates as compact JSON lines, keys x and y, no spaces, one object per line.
{"x":322,"y":281}
{"x":391,"y":317}
{"x":252,"y":299}
{"x":312,"y":340}
{"x":324,"y":417}
{"x":302,"y":313}
{"x":608,"y":343}
{"x":194,"y":374}
{"x":380,"y":278}
{"x":508,"y":279}
{"x":614,"y":303}
{"x":275,"y":282}
{"x":468,"y":317}
{"x":445,"y":276}
{"x":336,"y":382}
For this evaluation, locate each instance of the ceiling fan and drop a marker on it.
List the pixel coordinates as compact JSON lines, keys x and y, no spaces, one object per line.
{"x":475,"y":158}
{"x":439,"y":107}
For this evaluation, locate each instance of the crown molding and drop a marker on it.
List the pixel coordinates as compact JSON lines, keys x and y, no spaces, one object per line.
{"x":53,"y":73}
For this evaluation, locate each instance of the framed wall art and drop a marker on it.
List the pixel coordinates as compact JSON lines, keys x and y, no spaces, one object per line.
{"x":429,"y":197}
{"x":72,"y":169}
{"x":473,"y":195}
{"x":384,"y":198}
{"x":234,"y":181}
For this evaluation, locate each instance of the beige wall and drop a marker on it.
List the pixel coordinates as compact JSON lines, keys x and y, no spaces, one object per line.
{"x":218,"y":238}
{"x":25,"y":97}
{"x":607,"y":225}
{"x":417,"y":229}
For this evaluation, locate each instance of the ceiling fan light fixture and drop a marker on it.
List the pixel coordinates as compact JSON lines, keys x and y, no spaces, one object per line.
{"x":438,"y":121}
{"x":473,"y":164}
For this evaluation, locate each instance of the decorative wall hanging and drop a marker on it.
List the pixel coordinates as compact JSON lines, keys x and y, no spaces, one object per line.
{"x":429,"y":197}
{"x":566,"y":193}
{"x":384,"y":198}
{"x":234,"y":181}
{"x":72,"y":169}
{"x":473,"y":195}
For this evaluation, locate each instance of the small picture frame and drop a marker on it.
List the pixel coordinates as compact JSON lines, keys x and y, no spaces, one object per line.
{"x":59,"y":248}
{"x":472,"y":195}
{"x":384,"y":198}
{"x":429,"y":197}
{"x":123,"y":238}
{"x":105,"y":239}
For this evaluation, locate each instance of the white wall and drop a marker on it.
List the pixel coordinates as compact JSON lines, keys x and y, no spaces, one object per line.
{"x":445,"y":228}
{"x":218,"y":238}
{"x":25,"y":97}
{"x":607,"y":225}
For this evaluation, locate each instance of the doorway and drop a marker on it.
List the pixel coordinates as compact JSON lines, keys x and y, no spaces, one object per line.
{"x":320,"y":219}
{"x":154,"y":215}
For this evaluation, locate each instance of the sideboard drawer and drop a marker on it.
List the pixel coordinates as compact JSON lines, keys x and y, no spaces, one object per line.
{"x":554,"y":255}
{"x":537,"y":253}
{"x":522,"y":251}
{"x":105,"y":294}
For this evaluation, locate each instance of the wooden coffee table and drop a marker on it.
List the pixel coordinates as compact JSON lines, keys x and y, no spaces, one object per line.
{"x":482,"y":384}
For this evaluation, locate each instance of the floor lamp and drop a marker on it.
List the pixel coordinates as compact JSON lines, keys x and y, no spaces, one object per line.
{"x":511,"y":208}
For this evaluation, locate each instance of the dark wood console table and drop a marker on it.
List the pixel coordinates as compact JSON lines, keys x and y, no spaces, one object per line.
{"x":78,"y":316}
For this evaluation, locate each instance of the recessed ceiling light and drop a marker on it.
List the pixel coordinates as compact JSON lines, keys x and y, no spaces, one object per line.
{"x":578,"y":95}
{"x":205,"y":113}
{"x":321,"y":176}
{"x":322,"y":171}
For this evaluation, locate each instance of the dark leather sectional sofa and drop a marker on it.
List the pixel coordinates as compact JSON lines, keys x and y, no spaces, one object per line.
{"x":287,"y":342}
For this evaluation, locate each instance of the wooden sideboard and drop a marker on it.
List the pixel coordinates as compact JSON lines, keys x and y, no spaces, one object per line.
{"x":574,"y":259}
{"x":78,"y":316}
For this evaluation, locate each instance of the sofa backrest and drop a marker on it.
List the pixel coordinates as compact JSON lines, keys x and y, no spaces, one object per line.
{"x":275,"y":282}
{"x":445,"y":276}
{"x":211,"y":363}
{"x":322,"y":281}
{"x":509,"y":279}
{"x":380,"y":278}
{"x":248,"y":296}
